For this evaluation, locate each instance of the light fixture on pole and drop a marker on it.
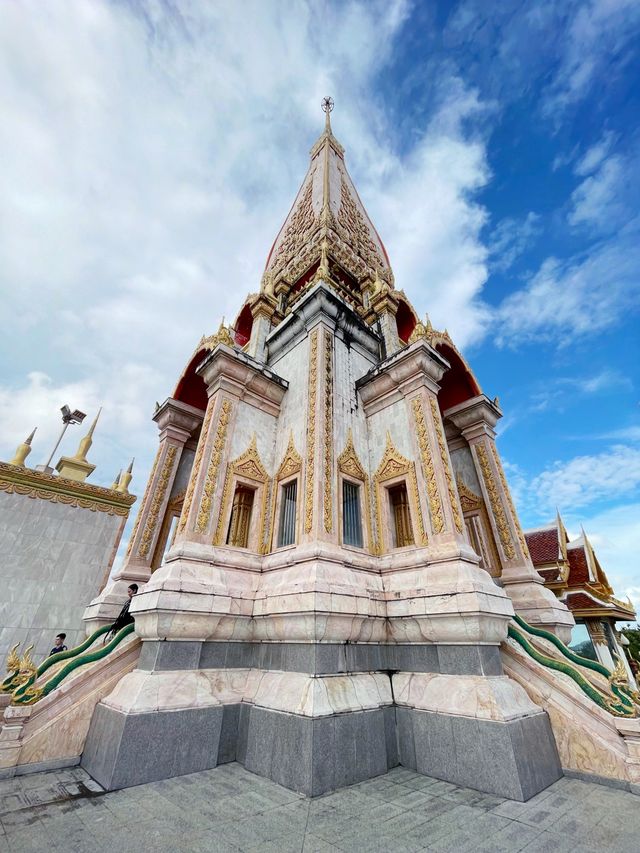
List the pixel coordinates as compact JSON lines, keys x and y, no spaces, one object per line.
{"x":68,"y":417}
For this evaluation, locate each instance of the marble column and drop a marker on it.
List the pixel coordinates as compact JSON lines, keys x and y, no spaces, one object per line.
{"x":176,"y":422}
{"x":262,"y":310}
{"x":476,"y":419}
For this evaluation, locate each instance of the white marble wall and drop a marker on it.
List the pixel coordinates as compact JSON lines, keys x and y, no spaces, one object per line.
{"x":53,"y":561}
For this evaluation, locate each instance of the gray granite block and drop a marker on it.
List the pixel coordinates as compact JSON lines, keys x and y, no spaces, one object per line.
{"x":168,"y":654}
{"x":413,"y":658}
{"x":516,"y":759}
{"x":132,"y":749}
{"x":229,"y":734}
{"x":391,"y":737}
{"x":469,"y":660}
{"x":243,"y":730}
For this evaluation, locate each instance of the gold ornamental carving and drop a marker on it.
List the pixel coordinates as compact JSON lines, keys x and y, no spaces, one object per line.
{"x":311,"y":432}
{"x":469,"y":500}
{"x":328,"y":431}
{"x":496,"y":503}
{"x":394,"y":464}
{"x":55,"y":489}
{"x":144,"y":502}
{"x":297,"y":230}
{"x":204,"y":513}
{"x":249,"y":466}
{"x":446,"y":464}
{"x":435,"y":503}
{"x":195,"y":470}
{"x":349,"y":464}
{"x":507,"y":491}
{"x":157,"y":501}
{"x":210,"y":342}
{"x":291,"y":462}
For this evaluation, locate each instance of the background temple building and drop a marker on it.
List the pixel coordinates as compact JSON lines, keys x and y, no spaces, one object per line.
{"x":58,"y":540}
{"x":573,"y":571}
{"x":334,"y":579}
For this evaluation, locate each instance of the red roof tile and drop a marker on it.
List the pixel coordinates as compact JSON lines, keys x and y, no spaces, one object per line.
{"x":543,"y":545}
{"x":578,"y":568}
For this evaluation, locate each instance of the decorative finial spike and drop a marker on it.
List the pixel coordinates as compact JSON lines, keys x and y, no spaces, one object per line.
{"x":116,"y":482}
{"x":327,"y":106}
{"x":30,"y":439}
{"x":130,"y":468}
{"x":93,"y":425}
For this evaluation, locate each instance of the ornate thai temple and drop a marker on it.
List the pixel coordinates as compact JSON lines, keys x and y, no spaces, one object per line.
{"x":333,"y":577}
{"x":573,"y":571}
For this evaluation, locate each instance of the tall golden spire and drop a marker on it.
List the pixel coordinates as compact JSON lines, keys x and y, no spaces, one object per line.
{"x":23,"y":450}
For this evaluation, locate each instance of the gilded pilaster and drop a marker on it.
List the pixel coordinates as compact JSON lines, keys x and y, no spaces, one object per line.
{"x":327,"y":448}
{"x":311,"y":432}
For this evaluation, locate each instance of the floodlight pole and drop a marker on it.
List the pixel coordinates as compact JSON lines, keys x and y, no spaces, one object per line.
{"x":47,"y":467}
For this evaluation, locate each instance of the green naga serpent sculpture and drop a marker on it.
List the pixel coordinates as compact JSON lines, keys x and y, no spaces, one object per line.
{"x":623,"y":702}
{"x":23,"y":674}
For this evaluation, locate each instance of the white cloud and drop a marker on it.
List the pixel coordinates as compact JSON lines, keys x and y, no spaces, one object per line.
{"x":595,"y":156}
{"x":574,"y":298}
{"x":599,"y":200}
{"x":510,"y":238}
{"x":596,"y":41}
{"x":631,"y":433}
{"x":149,"y":157}
{"x":615,"y":536}
{"x":583,"y":480}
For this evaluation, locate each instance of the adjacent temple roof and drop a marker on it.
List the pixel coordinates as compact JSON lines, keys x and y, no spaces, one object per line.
{"x":574,"y":572}
{"x":327,"y":223}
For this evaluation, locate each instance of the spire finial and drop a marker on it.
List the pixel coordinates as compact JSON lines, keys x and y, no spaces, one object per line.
{"x":93,"y":425}
{"x":125,"y":479}
{"x":22,"y":451}
{"x":327,"y":106}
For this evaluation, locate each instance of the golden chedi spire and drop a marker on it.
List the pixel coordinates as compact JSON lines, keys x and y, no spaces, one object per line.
{"x":116,"y":482}
{"x":77,"y":467}
{"x":23,"y":450}
{"x":327,"y":229}
{"x":125,"y":479}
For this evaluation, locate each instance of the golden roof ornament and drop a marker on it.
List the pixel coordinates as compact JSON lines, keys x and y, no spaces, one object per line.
{"x":22,"y":451}
{"x":222,"y":336}
{"x":123,"y":485}
{"x":115,"y":483}
{"x":87,"y":441}
{"x":77,"y":467}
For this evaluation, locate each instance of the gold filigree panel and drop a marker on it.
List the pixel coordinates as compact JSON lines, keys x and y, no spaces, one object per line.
{"x":433,"y":494}
{"x":195,"y":470}
{"x":204,"y":513}
{"x":157,"y":500}
{"x":328,"y":431}
{"x":446,"y":464}
{"x":311,"y":432}
{"x":496,"y":504}
{"x":507,"y":491}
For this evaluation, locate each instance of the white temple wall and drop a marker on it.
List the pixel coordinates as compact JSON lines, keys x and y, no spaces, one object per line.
{"x":53,"y":560}
{"x":349,"y":365}
{"x":248,"y":421}
{"x":293,"y":366}
{"x":183,"y":473}
{"x":395,"y":419}
{"x":463,"y":466}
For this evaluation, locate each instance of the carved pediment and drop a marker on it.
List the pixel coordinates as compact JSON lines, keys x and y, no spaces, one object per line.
{"x":393,"y":463}
{"x":469,"y":500}
{"x":249,"y":464}
{"x":348,"y":462}
{"x":292,"y":462}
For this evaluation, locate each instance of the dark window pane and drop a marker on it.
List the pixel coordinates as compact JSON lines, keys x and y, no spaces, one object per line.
{"x":238,"y":534}
{"x":287,"y":529}
{"x":402,"y":530}
{"x":351,"y":521}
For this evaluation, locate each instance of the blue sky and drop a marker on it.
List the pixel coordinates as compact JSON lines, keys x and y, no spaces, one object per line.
{"x":150,"y":152}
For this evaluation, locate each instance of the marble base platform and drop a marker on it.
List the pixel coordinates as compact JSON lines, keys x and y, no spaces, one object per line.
{"x":318,"y":717}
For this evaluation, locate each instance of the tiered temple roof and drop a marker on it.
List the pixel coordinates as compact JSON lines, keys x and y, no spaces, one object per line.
{"x":573,"y":571}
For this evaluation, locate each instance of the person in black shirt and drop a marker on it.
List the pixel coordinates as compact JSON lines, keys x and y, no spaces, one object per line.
{"x":59,"y":646}
{"x":124,"y":617}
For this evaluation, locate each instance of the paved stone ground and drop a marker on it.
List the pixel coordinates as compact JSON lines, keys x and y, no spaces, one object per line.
{"x":229,"y":809}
